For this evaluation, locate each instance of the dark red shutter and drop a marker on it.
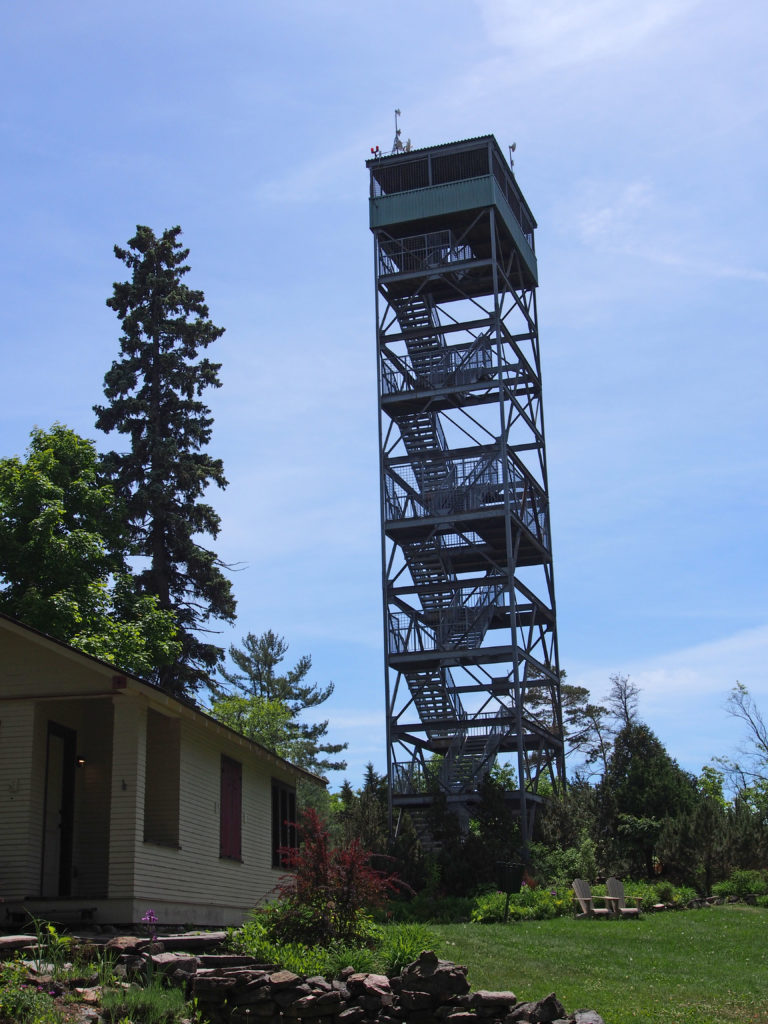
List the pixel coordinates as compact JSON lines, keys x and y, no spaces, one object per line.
{"x":231,"y":808}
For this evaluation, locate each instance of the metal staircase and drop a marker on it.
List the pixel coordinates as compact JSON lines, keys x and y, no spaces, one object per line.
{"x":468,"y":584}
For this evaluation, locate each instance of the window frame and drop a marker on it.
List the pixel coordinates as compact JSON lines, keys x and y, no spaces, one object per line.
{"x":162,"y":780}
{"x":231,"y":809}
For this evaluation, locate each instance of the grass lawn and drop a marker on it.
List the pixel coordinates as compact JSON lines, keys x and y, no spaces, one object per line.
{"x":686,"y":967}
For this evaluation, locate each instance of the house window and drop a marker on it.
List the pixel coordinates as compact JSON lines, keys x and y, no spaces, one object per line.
{"x":231,"y":809}
{"x":283,"y":821}
{"x":161,"y":780}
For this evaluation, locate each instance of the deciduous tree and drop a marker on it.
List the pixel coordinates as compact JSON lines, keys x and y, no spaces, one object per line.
{"x":262,"y":720}
{"x":751,"y":768}
{"x":622,"y":700}
{"x":61,"y":564}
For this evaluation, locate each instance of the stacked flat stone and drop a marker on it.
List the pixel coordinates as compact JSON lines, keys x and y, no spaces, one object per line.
{"x":428,"y":991}
{"x":236,"y":989}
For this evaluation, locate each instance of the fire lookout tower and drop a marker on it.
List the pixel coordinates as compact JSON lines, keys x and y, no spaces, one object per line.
{"x":469,"y":604}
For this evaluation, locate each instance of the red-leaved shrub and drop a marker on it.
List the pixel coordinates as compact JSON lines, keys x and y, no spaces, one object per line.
{"x":330,"y":891}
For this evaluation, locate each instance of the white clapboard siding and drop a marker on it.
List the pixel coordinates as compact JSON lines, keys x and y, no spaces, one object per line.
{"x":116,"y":863}
{"x":19,"y":872}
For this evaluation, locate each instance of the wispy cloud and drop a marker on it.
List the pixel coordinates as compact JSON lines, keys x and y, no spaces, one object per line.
{"x":708,"y":668}
{"x":558,"y":32}
{"x":615,"y":222}
{"x":326,"y":176}
{"x":683,"y":692}
{"x":634,"y":221}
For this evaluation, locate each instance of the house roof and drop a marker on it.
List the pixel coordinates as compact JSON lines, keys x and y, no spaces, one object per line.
{"x":187,"y":708}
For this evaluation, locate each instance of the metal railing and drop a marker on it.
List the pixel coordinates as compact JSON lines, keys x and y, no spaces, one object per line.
{"x":416,"y":253}
{"x":447,"y":366}
{"x":471,"y":485}
{"x":462,"y":623}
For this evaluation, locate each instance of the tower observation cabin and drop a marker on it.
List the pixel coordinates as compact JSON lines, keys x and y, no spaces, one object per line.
{"x":471,"y":671}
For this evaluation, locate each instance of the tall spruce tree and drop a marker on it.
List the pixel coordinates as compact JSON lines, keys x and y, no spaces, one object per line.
{"x":153,"y":396}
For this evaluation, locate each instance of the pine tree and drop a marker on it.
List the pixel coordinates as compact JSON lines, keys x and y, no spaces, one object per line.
{"x":257,"y":660}
{"x":153,"y":392}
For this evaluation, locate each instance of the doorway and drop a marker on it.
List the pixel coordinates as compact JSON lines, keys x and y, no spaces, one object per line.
{"x":58,"y":811}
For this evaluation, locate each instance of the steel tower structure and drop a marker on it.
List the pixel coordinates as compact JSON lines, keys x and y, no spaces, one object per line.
{"x":469,"y":603}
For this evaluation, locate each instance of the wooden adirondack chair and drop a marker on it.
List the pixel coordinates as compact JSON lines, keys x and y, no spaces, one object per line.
{"x":615,"y":890}
{"x":585,"y":899}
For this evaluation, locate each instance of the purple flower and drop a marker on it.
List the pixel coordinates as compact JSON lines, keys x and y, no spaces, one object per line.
{"x":150,"y":917}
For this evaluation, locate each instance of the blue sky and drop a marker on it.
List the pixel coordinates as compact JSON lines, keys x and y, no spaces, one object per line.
{"x":641,"y":147}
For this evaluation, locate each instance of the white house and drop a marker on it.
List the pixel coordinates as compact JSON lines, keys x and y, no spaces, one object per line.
{"x":116,"y":798}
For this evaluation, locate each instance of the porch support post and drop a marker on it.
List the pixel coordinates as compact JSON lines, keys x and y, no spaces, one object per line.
{"x":126,"y":819}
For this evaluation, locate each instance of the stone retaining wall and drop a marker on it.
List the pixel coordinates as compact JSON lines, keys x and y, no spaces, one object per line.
{"x":428,"y":990}
{"x":234,"y":989}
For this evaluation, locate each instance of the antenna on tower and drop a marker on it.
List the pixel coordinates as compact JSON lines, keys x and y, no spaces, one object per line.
{"x":397,"y":145}
{"x":512,"y":149}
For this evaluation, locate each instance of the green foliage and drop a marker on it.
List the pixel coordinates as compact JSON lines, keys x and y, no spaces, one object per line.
{"x":362,"y":815}
{"x":466,"y":861}
{"x":262,"y":720}
{"x":653,"y":893}
{"x":26,"y":1004}
{"x":268,"y":705}
{"x":641,"y":787}
{"x":129,"y":629}
{"x":710,"y":785}
{"x":253,"y":940}
{"x":22,"y":1002}
{"x":401,"y":944}
{"x":529,"y":904}
{"x":99,"y":959}
{"x":339,"y":955}
{"x":743,"y":883}
{"x":698,"y":967}
{"x":61,"y":564}
{"x":586,"y":727}
{"x":52,"y":950}
{"x":387,"y":950}
{"x":12,"y":974}
{"x":57,"y":524}
{"x":559,"y":867}
{"x":151,"y":1004}
{"x":153,"y":397}
{"x":694,"y":845}
{"x":329,"y":894}
{"x":429,"y":906}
